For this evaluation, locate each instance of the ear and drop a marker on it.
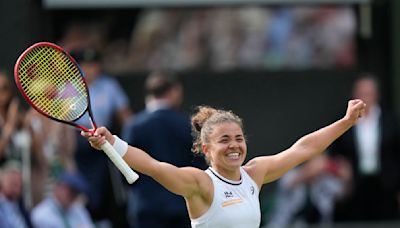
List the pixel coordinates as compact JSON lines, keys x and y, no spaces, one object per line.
{"x":206,"y":152}
{"x":204,"y":148}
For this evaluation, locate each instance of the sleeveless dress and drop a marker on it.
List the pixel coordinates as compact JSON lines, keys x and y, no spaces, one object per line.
{"x":235,"y":204}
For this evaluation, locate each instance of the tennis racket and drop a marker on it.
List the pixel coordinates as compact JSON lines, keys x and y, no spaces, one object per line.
{"x":52,"y":82}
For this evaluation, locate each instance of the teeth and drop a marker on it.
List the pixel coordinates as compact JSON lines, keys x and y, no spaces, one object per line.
{"x":233,"y":155}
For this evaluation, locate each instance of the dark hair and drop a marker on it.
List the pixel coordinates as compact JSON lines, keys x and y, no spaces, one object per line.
{"x":159,"y":82}
{"x":86,"y":55}
{"x":368,"y":76}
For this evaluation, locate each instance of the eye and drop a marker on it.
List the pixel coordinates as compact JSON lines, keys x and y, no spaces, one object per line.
{"x":224,"y":140}
{"x":239,"y":138}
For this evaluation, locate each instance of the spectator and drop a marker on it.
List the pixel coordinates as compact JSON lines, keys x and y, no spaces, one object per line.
{"x":108,"y":102}
{"x":306,"y":194}
{"x":10,"y":120}
{"x":55,"y":143}
{"x":372,"y":148}
{"x":63,"y":208}
{"x":15,"y":139}
{"x":12,"y":211}
{"x":248,"y":37}
{"x":165,"y":131}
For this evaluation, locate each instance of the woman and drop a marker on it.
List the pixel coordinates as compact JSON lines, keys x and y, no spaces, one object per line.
{"x":55,"y":144}
{"x":10,"y":120}
{"x":226,"y":194}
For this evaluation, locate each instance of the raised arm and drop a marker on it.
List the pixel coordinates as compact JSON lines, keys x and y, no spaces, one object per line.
{"x":269,"y":168}
{"x":184,"y":181}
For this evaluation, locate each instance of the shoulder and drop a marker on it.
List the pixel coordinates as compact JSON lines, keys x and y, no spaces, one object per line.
{"x":108,"y":82}
{"x":205,"y":185}
{"x":79,"y":209}
{"x":257,"y":168}
{"x":139,"y":119}
{"x":201,"y":175}
{"x":43,"y":211}
{"x":203,"y":180}
{"x":106,"y":78}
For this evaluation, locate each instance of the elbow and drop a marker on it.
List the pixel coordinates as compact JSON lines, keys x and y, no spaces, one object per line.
{"x":307,"y":149}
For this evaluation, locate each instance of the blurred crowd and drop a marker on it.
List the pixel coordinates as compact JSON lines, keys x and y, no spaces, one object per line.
{"x":51,"y":177}
{"x":228,"y":38}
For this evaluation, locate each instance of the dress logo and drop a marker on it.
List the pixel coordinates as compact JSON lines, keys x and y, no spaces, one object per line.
{"x":228,"y":194}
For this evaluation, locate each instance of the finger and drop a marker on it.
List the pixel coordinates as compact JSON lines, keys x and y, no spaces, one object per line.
{"x":361,"y":105}
{"x":362,"y":113}
{"x":102,"y":130}
{"x":355,"y":102}
{"x":86,"y":133}
{"x":99,"y":131}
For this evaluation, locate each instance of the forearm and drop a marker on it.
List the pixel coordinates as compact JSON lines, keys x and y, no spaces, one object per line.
{"x":303,"y":150}
{"x":316,"y":142}
{"x":272,"y":167}
{"x":140,"y":161}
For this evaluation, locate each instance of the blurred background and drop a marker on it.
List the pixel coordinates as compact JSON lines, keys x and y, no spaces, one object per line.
{"x":285,"y":66}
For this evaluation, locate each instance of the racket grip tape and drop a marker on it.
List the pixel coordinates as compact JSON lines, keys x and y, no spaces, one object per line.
{"x":130,"y":175}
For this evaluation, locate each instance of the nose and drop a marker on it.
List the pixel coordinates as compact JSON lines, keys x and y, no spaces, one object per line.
{"x":233,"y":144}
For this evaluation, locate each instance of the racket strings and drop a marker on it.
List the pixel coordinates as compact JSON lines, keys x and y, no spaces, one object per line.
{"x":53,"y":83}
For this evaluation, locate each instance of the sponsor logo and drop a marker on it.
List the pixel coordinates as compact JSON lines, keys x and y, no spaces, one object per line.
{"x":252,"y":190}
{"x":231,"y":202}
{"x":228,"y":194}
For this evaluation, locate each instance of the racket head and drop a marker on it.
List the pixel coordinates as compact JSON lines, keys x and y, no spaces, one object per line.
{"x":52,"y":82}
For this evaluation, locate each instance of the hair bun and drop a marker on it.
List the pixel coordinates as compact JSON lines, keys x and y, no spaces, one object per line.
{"x":201,"y":117}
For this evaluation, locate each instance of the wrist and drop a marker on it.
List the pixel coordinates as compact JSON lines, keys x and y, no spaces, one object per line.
{"x":348,"y":122}
{"x":120,"y":146}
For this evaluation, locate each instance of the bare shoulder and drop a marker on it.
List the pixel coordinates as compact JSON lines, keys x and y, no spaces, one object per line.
{"x":257,"y":168}
{"x":202,"y":178}
{"x":199,"y":202}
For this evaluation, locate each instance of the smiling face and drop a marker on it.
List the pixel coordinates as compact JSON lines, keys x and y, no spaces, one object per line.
{"x":226,"y":149}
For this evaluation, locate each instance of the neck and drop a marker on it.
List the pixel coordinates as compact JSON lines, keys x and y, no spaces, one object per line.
{"x":157,"y":103}
{"x":228,"y":174}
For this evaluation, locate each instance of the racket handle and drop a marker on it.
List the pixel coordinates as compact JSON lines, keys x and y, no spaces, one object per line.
{"x":130,"y":175}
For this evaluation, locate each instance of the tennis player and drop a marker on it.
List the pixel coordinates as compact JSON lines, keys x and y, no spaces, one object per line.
{"x":226,"y":194}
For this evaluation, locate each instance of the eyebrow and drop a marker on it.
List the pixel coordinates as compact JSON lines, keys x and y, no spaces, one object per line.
{"x":227,"y":136}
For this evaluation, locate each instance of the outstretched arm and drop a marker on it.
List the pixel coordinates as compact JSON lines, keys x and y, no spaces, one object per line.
{"x":181,"y":181}
{"x":269,"y":168}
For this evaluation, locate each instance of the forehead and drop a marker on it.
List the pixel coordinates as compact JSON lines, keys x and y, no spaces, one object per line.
{"x":226,"y":129}
{"x":11,"y":175}
{"x":365,"y":84}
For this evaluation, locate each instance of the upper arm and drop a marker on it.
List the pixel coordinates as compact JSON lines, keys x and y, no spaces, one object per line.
{"x":184,"y":181}
{"x":266,"y":169}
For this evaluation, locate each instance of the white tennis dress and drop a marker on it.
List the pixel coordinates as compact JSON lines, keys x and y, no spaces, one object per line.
{"x":235,"y":204}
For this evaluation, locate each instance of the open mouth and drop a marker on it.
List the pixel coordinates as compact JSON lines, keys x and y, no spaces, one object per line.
{"x":234,"y":155}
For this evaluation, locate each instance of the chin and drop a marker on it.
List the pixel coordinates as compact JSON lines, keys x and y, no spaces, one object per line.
{"x":235,"y":164}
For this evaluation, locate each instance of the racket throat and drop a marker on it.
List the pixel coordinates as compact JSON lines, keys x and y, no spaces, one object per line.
{"x":93,"y":124}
